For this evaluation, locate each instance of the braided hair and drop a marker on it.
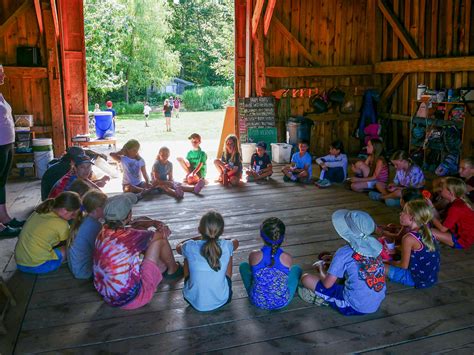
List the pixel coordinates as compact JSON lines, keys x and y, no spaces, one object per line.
{"x":272,"y":231}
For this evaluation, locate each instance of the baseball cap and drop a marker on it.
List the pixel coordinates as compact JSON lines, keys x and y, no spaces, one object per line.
{"x":118,"y":207}
{"x":262,"y":145}
{"x":75,"y":151}
{"x":195,"y":136}
{"x":81,"y":159}
{"x":108,"y":103}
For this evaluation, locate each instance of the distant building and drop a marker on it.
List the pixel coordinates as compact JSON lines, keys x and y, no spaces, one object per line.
{"x":176,"y":86}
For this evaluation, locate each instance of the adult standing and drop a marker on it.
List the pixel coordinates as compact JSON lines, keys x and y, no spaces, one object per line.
{"x":167,"y":109}
{"x":177,"y":105}
{"x":9,"y":227}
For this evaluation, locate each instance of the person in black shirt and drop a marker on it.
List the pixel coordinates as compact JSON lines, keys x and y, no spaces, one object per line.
{"x":260,"y":164}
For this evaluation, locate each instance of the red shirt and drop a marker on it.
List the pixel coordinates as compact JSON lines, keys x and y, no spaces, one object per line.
{"x":63,"y":184}
{"x":460,"y":221}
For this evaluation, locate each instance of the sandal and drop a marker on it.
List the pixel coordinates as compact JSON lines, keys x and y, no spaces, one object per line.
{"x":176,"y":275}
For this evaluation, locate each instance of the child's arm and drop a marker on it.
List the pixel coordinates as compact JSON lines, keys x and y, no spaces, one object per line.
{"x":327,"y":279}
{"x":117,"y":156}
{"x":170,"y":174}
{"x":145,"y":174}
{"x":408,"y":244}
{"x":235,"y":244}
{"x":179,"y":247}
{"x":196,"y":169}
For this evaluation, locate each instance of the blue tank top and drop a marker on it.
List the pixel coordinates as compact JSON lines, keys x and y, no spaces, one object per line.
{"x":424,"y":264}
{"x":269,"y":288}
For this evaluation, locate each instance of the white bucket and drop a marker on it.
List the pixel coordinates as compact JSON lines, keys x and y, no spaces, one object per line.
{"x":106,"y":167}
{"x":247,"y":151}
{"x":281,"y":152}
{"x":43,"y":153}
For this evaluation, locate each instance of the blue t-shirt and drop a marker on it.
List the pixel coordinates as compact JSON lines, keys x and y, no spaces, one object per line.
{"x":162,"y":170}
{"x":80,"y":252}
{"x":206,"y":289}
{"x":364,"y":286}
{"x":132,"y":174}
{"x":300,"y":162}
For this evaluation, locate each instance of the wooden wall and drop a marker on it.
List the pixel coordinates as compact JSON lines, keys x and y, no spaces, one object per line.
{"x":356,"y":45}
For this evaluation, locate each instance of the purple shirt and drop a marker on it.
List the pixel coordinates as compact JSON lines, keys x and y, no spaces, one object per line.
{"x":413,"y":177}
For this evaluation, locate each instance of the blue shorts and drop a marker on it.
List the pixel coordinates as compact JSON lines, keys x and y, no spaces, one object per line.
{"x":401,"y":276}
{"x":44,"y":268}
{"x":335,"y":297}
{"x":456,"y":245}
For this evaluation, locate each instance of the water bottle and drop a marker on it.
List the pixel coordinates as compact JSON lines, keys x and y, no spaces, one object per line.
{"x":420,"y":90}
{"x":450,"y":95}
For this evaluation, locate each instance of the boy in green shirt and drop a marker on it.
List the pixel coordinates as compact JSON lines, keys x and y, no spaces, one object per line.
{"x":195,"y":162}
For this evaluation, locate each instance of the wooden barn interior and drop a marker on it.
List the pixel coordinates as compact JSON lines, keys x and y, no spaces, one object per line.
{"x":291,"y":50}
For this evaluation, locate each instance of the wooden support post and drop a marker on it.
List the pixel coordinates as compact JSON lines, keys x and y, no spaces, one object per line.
{"x":440,"y":65}
{"x":267,"y":19}
{"x":394,"y":84}
{"x":293,"y":40}
{"x":399,"y":30}
{"x":259,"y":61}
{"x":21,"y":9}
{"x":39,"y":15}
{"x":54,"y":10}
{"x":257,"y":13}
{"x":248,"y":46}
{"x":54,"y":80}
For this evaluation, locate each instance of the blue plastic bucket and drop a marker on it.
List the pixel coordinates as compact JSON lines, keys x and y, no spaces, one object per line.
{"x":104,"y":124}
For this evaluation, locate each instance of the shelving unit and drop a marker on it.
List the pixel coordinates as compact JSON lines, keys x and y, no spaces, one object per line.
{"x":438,"y":135}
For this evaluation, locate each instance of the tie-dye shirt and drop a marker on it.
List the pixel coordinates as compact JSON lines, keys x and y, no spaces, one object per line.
{"x":117,"y":263}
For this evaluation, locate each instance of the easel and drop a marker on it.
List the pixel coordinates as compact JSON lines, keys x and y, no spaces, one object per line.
{"x":227,"y":128}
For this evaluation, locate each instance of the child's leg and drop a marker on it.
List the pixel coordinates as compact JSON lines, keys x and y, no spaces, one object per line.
{"x":169,"y":191}
{"x":309,"y":281}
{"x":132,"y":188}
{"x":443,"y":237}
{"x":381,"y":187}
{"x":184,"y":163}
{"x":287,"y":170}
{"x":220,"y":166}
{"x":359,"y":186}
{"x":229,"y":268}
{"x":246,"y":274}
{"x":303,"y":176}
{"x":361,"y":168}
{"x":393,"y":195}
{"x":333,"y":174}
{"x":263,"y":175}
{"x":293,"y":280}
{"x":159,"y":251}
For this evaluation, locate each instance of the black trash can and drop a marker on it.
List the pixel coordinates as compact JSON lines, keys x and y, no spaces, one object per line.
{"x":298,"y":128}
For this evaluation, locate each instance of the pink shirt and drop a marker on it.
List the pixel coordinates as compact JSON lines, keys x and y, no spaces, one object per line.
{"x":7,"y":125}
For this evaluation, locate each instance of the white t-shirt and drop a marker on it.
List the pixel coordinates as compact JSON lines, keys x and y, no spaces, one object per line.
{"x":7,"y":125}
{"x":146,"y":110}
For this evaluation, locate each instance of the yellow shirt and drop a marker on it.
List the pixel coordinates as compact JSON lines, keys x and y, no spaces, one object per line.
{"x":40,"y":234}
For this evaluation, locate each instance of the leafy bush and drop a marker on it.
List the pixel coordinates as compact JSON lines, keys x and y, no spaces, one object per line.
{"x":124,"y":108}
{"x":207,"y":98}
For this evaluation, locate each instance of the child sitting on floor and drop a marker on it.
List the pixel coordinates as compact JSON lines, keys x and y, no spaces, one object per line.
{"x":269,"y":277}
{"x":83,"y":233}
{"x":408,"y":174}
{"x":162,"y":177}
{"x":38,"y":250}
{"x":457,"y":229}
{"x":301,"y":169}
{"x":120,"y":276}
{"x":359,"y":263}
{"x":333,"y":166}
{"x":373,"y":172}
{"x":260,"y":164}
{"x":230,"y":164}
{"x":208,"y":265}
{"x":466,"y":171}
{"x":133,"y":167}
{"x":419,"y":264}
{"x":195,"y":163}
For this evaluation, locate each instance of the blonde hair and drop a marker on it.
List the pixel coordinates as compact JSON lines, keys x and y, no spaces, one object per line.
{"x":92,"y":200}
{"x":211,"y":227}
{"x":272,"y":231}
{"x":458,"y":188}
{"x":71,"y":201}
{"x":377,"y":154}
{"x":422,"y":214}
{"x":233,"y":138}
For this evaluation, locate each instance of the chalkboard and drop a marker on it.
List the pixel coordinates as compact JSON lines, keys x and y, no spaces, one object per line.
{"x":267,"y":135}
{"x":255,"y":112}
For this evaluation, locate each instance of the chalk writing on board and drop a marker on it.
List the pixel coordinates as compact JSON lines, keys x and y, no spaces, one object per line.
{"x":255,"y":112}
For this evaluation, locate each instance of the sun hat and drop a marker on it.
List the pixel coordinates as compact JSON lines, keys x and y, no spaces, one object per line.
{"x":262,"y":145}
{"x":81,"y":159}
{"x":356,"y":227}
{"x":195,"y":136}
{"x":118,"y":207}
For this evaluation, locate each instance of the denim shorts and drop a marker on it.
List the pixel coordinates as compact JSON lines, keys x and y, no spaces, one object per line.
{"x":401,"y":276}
{"x":335,"y":297}
{"x":456,"y":244}
{"x":44,"y":268}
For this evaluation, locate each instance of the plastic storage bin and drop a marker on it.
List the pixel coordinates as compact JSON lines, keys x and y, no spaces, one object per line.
{"x":43,"y":154}
{"x":104,"y":124}
{"x":247,"y":151}
{"x":281,"y":152}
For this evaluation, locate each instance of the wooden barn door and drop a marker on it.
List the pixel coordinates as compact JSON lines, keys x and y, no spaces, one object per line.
{"x":73,"y":57}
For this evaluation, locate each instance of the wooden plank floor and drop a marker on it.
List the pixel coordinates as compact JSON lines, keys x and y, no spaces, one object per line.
{"x":64,"y":314}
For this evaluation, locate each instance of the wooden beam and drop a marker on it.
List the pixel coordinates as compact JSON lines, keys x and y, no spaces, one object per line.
{"x":287,"y":72}
{"x":18,"y":12}
{"x":293,"y":40}
{"x":257,"y":13}
{"x":54,"y":10}
{"x":26,"y":72}
{"x":39,"y":15}
{"x":259,"y":61}
{"x":438,"y":65}
{"x":399,"y":30}
{"x":394,"y":84}
{"x":267,"y":19}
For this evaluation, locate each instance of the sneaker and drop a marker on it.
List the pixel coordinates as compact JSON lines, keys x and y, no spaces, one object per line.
{"x":311,"y":297}
{"x":10,"y":232}
{"x":375,"y":196}
{"x":286,"y":178}
{"x":293,"y":178}
{"x":323,"y":183}
{"x":198,"y":187}
{"x":14,"y":223}
{"x":179,"y":192}
{"x":176,"y":275}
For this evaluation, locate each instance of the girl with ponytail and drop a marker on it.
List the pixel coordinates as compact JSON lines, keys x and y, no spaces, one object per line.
{"x":38,"y":250}
{"x":419,"y":264}
{"x":208,"y":265}
{"x":84,"y":231}
{"x":268,"y":277}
